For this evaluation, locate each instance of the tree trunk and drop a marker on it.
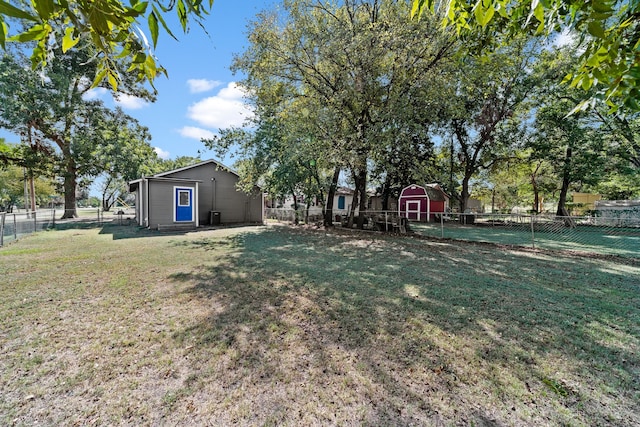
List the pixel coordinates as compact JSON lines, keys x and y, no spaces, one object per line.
{"x":295,"y":208}
{"x":562,"y":201}
{"x":566,"y":181}
{"x":106,"y":196}
{"x":385,"y":200}
{"x":536,"y":190}
{"x":306,"y":211}
{"x":386,"y":194}
{"x":328,"y":213}
{"x":108,"y":201}
{"x":362,"y":190}
{"x":26,"y":190}
{"x":69,"y":184}
{"x":32,"y":193}
{"x":493,"y":200}
{"x":464,"y":195}
{"x":354,"y":203}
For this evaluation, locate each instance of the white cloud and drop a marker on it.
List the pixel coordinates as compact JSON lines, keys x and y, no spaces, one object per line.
{"x":131,"y":102}
{"x":196,"y":133}
{"x":95,"y":93}
{"x":224,"y":110}
{"x":161,"y":153}
{"x":202,"y":85}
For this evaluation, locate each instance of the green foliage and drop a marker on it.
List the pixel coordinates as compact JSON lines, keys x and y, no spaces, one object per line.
{"x":122,"y":152}
{"x":111,"y":26}
{"x":12,"y":182}
{"x":617,"y":185}
{"x":585,"y":148}
{"x":555,"y":386}
{"x":608,"y":30}
{"x":481,"y":116}
{"x":54,"y":119}
{"x":338,"y":86}
{"x":161,"y":165}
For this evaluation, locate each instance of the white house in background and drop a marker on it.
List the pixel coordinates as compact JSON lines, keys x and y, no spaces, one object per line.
{"x":342,"y":201}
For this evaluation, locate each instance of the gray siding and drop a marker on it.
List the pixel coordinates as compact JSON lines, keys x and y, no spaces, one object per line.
{"x":144,"y":209}
{"x":217,"y":192}
{"x":140,"y":197}
{"x":161,"y":203}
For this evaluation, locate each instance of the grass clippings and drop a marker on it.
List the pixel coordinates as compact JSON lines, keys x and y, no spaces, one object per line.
{"x":285,"y":326}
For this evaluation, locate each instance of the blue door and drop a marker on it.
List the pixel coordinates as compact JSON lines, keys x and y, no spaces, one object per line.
{"x":184,"y":204}
{"x":341,"y":202}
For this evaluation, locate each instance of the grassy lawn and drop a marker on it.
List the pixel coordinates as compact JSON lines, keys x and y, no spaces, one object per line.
{"x":280,"y":326}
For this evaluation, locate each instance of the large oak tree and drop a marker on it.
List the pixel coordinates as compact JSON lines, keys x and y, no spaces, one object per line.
{"x":50,"y":112}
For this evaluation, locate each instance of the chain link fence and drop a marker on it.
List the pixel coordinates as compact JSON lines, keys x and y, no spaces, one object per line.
{"x":590,"y":234}
{"x":15,"y":225}
{"x":606,"y":236}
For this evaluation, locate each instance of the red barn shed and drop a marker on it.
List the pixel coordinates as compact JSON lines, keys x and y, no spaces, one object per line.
{"x":419,"y":203}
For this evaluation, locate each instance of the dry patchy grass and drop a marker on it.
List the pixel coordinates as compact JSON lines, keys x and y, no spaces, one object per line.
{"x":280,"y":326}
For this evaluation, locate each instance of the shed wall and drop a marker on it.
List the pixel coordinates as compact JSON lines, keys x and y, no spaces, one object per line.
{"x":217,"y":192}
{"x":161,"y":203}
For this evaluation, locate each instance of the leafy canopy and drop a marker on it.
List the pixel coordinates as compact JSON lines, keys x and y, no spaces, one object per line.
{"x":112,"y":27}
{"x":609,"y":31}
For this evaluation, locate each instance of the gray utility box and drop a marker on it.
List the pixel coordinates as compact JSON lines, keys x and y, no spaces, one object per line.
{"x":214,"y":217}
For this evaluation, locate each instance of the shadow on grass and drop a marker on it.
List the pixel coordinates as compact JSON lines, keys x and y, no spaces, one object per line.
{"x":117,"y":229}
{"x":133,"y":231}
{"x":78,"y":225}
{"x":391,"y":331}
{"x":130,"y":230}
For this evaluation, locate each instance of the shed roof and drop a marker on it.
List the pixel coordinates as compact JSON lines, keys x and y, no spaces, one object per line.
{"x":344,"y":191}
{"x":436,"y":194}
{"x":437,"y":187}
{"x":133,"y":185}
{"x":433,"y":191}
{"x":215,"y":162}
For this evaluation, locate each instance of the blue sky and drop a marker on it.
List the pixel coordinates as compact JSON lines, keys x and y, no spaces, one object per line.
{"x":199,"y":97}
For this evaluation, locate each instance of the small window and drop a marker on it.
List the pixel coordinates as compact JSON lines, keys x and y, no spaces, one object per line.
{"x":183,"y":198}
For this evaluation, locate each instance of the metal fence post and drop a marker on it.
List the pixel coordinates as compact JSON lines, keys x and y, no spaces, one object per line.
{"x":533,"y":235}
{"x":2,"y":229}
{"x":442,"y":226}
{"x":35,"y":222}
{"x":15,"y":228}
